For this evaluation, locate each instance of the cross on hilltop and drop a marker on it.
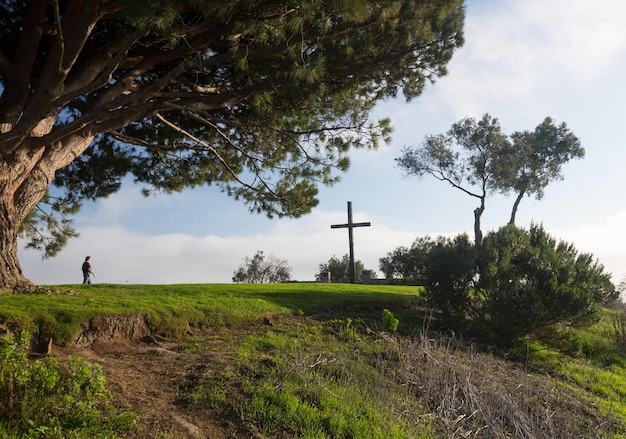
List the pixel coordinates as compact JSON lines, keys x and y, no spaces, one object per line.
{"x":350,"y":225}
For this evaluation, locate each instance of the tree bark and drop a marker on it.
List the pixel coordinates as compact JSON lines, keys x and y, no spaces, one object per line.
{"x":515,"y":206}
{"x":11,"y":277}
{"x":478,"y":234}
{"x":25,"y":176}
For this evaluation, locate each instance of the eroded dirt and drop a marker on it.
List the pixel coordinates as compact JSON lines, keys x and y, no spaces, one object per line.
{"x":144,"y":374}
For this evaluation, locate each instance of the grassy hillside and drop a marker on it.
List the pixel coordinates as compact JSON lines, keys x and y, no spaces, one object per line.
{"x":336,"y":361}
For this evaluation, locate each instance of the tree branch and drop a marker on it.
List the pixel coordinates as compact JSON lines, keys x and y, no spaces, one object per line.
{"x":206,"y":146}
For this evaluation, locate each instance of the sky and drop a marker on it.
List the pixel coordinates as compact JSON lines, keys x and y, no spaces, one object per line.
{"x":522,"y":61}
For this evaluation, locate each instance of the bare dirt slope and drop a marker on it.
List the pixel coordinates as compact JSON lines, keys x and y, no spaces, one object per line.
{"x":144,"y":375}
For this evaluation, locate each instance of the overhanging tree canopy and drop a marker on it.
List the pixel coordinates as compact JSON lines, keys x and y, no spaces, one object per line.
{"x":263,"y":99}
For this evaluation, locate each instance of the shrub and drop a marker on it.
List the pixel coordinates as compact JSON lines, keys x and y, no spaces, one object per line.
{"x":408,"y":263}
{"x":339,"y":269}
{"x":390,"y":322}
{"x":44,"y":399}
{"x":449,"y":273}
{"x":529,"y":281}
{"x":516,"y":284}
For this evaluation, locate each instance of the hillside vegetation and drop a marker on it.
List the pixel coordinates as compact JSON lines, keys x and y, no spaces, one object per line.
{"x":292,"y":361}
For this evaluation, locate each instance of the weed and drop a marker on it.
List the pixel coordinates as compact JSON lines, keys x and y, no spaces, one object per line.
{"x":390,"y":322}
{"x":43,"y":399}
{"x":190,"y":346}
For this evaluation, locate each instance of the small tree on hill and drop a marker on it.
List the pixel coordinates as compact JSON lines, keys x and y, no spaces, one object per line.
{"x":407,"y":263}
{"x":262,"y":269}
{"x":339,"y":269}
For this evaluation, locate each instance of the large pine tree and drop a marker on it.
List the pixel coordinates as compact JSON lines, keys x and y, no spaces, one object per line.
{"x":263,"y":99}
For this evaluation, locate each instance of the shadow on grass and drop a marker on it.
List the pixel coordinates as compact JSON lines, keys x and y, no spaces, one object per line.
{"x":329,"y":305}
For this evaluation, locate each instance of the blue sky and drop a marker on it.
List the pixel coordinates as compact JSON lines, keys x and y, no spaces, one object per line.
{"x":522,"y":61}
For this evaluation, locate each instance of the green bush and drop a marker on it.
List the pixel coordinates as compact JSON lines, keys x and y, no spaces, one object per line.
{"x":530,"y":281}
{"x":390,"y":322}
{"x":450,"y":271}
{"x":516,"y":284}
{"x":44,"y":399}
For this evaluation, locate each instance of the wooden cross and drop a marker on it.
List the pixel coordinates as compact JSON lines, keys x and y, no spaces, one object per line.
{"x":350,"y":225}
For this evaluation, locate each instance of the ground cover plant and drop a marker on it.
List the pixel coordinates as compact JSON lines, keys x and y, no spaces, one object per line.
{"x":320,"y":361}
{"x":43,"y":399}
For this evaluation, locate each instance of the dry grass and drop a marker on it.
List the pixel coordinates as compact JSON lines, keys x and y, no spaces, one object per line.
{"x":474,"y":395}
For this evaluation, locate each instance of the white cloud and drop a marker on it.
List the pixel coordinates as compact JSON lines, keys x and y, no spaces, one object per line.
{"x":515,"y":50}
{"x":121,"y":256}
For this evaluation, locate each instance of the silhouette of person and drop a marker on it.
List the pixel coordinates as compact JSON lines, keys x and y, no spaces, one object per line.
{"x":87,"y":271}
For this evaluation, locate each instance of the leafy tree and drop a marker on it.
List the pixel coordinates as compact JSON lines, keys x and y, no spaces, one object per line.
{"x":339,"y":269}
{"x":534,"y":158}
{"x":262,"y":269}
{"x":407,"y":263}
{"x":462,"y":157}
{"x":263,"y":99}
{"x":477,"y":158}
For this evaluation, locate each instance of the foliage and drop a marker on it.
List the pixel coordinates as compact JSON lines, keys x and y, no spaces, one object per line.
{"x":263,"y":100}
{"x":450,"y":269}
{"x":533,"y":159}
{"x":619,"y":330}
{"x":463,"y":157}
{"x":261,"y":269}
{"x":516,"y":284}
{"x":529,"y":281}
{"x":477,"y":158}
{"x":390,"y":322}
{"x":48,"y":227}
{"x":44,"y":399}
{"x":339,"y":269}
{"x":407,"y":263}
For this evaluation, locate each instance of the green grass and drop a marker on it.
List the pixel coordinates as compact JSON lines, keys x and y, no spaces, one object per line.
{"x":306,"y":380}
{"x":171,"y":308}
{"x":348,"y":361}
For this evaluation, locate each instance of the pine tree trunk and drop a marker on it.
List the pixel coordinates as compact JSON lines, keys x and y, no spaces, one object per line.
{"x":25,"y":175}
{"x":11,"y":277}
{"x":478,"y":234}
{"x":478,"y":213}
{"x":20,"y":190}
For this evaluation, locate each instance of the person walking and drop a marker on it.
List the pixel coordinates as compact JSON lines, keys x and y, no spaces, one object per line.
{"x":87,"y":271}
